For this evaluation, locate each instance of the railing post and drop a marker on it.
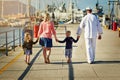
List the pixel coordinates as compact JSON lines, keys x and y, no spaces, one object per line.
{"x":65,"y":29}
{"x":6,"y":44}
{"x":19,"y":37}
{"x":14,"y":39}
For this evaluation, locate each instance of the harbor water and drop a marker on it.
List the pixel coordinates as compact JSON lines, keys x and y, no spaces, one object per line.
{"x":10,"y":33}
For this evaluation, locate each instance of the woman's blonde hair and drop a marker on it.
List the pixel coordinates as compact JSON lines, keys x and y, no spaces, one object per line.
{"x":27,"y":37}
{"x":46,"y":17}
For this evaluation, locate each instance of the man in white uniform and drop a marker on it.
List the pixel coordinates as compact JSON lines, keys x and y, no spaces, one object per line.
{"x":92,"y":27}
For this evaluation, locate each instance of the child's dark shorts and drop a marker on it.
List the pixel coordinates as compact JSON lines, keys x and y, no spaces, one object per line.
{"x":28,"y":52}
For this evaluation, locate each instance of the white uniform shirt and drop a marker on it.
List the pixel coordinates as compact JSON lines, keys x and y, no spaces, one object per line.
{"x":91,"y":26}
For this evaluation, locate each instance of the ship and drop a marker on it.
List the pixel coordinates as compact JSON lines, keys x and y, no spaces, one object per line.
{"x":71,"y":14}
{"x":63,"y":14}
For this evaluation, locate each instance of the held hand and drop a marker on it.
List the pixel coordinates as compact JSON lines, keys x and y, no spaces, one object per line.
{"x":37,"y":38}
{"x":56,"y":40}
{"x":78,"y":37}
{"x":99,"y":37}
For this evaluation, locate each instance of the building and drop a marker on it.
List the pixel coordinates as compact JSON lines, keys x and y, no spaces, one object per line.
{"x":14,"y":8}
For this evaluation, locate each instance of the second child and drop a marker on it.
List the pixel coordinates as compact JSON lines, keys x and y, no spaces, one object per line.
{"x":68,"y":48}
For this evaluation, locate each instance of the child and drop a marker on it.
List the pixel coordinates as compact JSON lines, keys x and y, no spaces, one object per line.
{"x":27,"y":46}
{"x":68,"y":49}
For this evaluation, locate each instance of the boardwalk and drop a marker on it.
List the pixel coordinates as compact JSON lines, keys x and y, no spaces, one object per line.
{"x":106,"y":67}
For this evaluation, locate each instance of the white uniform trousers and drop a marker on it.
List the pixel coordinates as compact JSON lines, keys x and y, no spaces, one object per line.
{"x":90,"y":49}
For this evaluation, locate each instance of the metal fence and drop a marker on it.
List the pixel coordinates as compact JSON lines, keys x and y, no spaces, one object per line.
{"x":10,"y":39}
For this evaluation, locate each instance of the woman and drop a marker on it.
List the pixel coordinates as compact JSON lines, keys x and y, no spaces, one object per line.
{"x":45,"y":33}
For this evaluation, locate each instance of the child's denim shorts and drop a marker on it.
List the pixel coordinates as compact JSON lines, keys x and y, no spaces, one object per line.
{"x":68,"y":53}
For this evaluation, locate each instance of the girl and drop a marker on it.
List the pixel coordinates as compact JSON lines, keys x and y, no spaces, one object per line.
{"x":27,"y":46}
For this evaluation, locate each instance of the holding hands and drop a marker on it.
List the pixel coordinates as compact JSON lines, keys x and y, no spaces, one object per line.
{"x":78,"y":37}
{"x":56,"y":40}
{"x":99,"y":37}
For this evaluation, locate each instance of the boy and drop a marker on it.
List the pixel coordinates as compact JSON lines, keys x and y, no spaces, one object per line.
{"x":68,"y":48}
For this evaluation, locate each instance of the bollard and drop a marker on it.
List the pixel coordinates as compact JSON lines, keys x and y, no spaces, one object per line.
{"x":114,"y":28}
{"x":119,"y":32}
{"x":14,"y":40}
{"x":65,"y":28}
{"x":19,"y":37}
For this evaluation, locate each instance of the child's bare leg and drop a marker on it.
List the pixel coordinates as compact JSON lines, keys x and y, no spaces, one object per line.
{"x":69,"y":60}
{"x":28,"y":58}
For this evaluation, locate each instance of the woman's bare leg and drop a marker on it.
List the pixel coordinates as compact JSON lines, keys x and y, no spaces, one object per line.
{"x":44,"y":54}
{"x":48,"y":54}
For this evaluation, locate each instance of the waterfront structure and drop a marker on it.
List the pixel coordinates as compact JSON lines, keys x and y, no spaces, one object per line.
{"x":14,"y":8}
{"x":114,"y":8}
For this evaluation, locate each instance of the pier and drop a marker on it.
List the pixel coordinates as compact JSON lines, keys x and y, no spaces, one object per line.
{"x":106,"y":66}
{"x":9,"y":39}
{"x":21,"y":15}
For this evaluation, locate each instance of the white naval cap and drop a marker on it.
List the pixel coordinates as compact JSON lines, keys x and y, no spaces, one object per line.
{"x":88,"y":8}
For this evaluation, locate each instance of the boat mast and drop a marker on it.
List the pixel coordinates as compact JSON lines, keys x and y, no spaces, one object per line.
{"x":2,"y":12}
{"x":36,"y":5}
{"x":28,"y":7}
{"x":18,"y":12}
{"x":21,"y":8}
{"x":72,"y":10}
{"x":39,"y":5}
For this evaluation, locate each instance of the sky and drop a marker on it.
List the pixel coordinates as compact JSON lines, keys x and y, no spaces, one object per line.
{"x":81,"y":4}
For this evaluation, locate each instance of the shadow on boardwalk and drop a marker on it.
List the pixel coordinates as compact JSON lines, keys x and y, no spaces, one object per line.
{"x":96,"y":62}
{"x":107,"y":62}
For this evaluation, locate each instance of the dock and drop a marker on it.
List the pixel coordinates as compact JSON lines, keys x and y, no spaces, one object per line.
{"x":106,"y":66}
